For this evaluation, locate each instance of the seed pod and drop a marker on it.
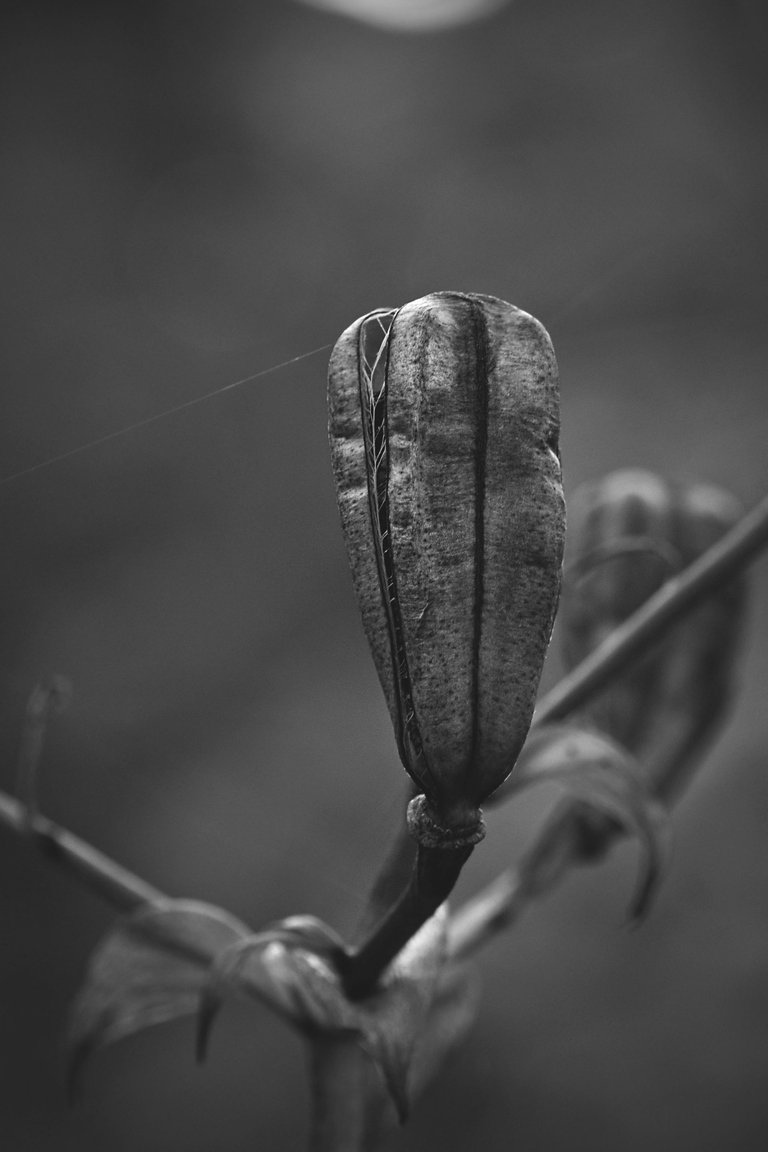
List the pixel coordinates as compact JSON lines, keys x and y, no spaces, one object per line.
{"x":444,"y":432}
{"x":628,"y":533}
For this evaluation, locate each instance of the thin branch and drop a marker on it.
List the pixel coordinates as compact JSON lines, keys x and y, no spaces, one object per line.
{"x":432,"y":880}
{"x":338,"y":1095}
{"x":482,"y":917}
{"x":394,"y":872}
{"x":92,"y":868}
{"x":560,"y":844}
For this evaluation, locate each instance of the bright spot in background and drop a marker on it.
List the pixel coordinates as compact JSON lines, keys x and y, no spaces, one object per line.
{"x":411,"y":15}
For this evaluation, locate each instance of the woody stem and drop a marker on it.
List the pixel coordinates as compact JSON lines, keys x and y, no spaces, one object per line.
{"x":432,"y":879}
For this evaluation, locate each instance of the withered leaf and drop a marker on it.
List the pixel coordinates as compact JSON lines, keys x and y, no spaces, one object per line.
{"x":149,"y":969}
{"x":628,"y":533}
{"x":605,"y":779}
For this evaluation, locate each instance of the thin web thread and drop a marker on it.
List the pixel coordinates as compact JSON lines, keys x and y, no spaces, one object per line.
{"x":158,"y":416}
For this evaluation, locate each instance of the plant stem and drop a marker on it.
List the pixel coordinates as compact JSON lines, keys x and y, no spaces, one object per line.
{"x":338,"y":1098}
{"x":560,"y":844}
{"x":394,"y":873}
{"x":434,"y":874}
{"x":485,"y":914}
{"x":92,"y":868}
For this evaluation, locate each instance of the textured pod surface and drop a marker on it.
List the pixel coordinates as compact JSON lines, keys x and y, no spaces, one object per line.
{"x":444,"y":424}
{"x":628,"y":533}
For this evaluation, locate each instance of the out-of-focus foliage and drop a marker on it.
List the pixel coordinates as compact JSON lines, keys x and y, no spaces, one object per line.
{"x":630,"y":532}
{"x":607,"y":784}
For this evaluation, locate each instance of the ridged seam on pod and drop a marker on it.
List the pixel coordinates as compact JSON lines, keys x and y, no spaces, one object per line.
{"x":444,"y":424}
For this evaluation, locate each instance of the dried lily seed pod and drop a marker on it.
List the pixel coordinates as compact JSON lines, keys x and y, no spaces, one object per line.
{"x":444,"y":425}
{"x":628,"y":533}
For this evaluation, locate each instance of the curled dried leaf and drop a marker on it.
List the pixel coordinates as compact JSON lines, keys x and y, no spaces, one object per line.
{"x":611,"y":795}
{"x":149,"y":969}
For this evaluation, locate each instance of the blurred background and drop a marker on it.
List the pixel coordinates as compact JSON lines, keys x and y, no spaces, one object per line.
{"x":192,"y":193}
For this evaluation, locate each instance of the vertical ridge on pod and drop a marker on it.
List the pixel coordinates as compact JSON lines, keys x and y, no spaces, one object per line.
{"x":373,"y":360}
{"x":480,"y":341}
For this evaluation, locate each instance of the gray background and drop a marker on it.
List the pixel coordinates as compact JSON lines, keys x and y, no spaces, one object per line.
{"x":191,"y":193}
